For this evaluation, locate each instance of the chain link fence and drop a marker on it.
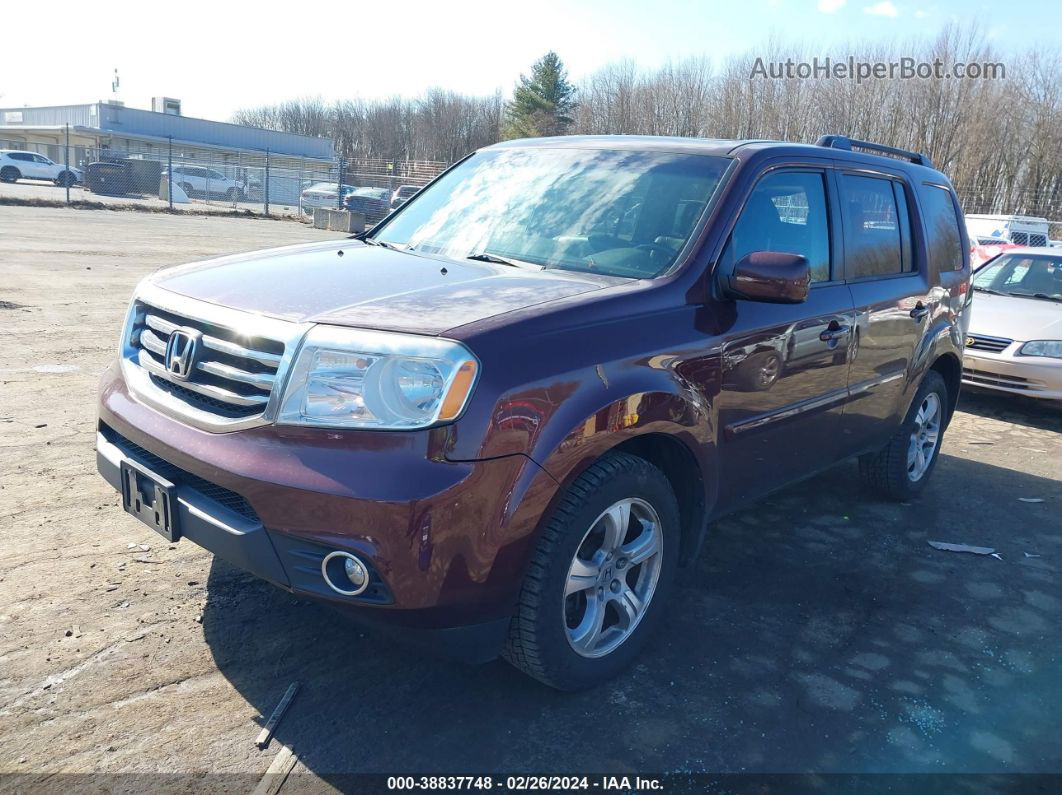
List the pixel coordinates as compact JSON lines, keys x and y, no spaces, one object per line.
{"x":172,"y":176}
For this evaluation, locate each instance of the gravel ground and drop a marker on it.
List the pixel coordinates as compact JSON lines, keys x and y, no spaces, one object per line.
{"x":818,"y":631}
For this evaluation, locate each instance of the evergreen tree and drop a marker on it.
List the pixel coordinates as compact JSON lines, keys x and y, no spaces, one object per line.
{"x":543,"y":103}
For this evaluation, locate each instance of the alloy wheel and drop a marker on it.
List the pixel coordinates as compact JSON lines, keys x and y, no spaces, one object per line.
{"x":924,"y":437}
{"x":612,"y":577}
{"x":769,"y":370}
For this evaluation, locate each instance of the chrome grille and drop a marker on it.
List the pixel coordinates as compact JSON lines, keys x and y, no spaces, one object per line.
{"x":979,"y":342}
{"x":985,"y":378}
{"x":231,"y":375}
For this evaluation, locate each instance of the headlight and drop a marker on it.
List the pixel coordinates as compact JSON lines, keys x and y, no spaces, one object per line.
{"x":354,"y":378}
{"x":1052,"y":348}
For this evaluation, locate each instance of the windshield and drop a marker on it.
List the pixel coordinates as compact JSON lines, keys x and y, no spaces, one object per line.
{"x":620,"y":213}
{"x":1038,"y":276}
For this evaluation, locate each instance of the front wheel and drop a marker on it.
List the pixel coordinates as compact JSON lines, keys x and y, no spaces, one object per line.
{"x":900,"y":470}
{"x":66,"y":180}
{"x":599,"y":576}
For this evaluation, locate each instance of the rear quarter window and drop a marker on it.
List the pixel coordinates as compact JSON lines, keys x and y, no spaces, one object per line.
{"x":944,"y":238}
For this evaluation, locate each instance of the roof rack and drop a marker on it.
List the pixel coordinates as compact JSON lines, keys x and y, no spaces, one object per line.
{"x":842,"y":142}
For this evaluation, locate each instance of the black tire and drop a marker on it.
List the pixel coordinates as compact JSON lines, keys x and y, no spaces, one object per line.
{"x":187,"y":188}
{"x":66,"y":179}
{"x":538,"y":642}
{"x":234,"y":195}
{"x":760,"y":371}
{"x":10,"y":174}
{"x":886,"y":472}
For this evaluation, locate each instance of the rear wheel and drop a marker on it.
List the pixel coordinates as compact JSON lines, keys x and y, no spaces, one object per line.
{"x":234,"y":195}
{"x":10,"y":174}
{"x":599,"y":577}
{"x":901,"y":468}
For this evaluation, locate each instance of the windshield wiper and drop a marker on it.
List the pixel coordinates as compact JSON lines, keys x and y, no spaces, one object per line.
{"x":990,"y":290}
{"x":371,"y":241}
{"x":1046,"y":297}
{"x":485,"y":256}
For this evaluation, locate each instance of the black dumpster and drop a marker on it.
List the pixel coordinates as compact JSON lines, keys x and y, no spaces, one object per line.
{"x":109,"y":179}
{"x":144,"y":175}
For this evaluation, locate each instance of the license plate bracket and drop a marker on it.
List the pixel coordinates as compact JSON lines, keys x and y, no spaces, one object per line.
{"x":150,"y":498}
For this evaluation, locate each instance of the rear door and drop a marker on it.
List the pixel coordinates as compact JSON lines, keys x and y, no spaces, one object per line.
{"x":785,"y":369}
{"x":890,"y":288}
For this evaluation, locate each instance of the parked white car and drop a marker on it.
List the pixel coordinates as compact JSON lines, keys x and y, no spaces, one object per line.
{"x":16,"y":164}
{"x":207,"y":182}
{"x":322,"y":194}
{"x":403,"y":194}
{"x":1014,"y":343}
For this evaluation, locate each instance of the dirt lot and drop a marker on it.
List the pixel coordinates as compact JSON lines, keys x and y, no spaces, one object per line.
{"x":817,"y":631}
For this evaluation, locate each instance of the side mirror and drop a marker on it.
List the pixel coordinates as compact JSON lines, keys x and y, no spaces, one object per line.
{"x":773,"y":277}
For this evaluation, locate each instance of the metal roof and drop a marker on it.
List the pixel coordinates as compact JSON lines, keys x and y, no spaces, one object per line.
{"x":119,"y":120}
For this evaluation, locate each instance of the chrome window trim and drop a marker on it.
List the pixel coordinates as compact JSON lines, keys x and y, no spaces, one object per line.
{"x":142,"y":388}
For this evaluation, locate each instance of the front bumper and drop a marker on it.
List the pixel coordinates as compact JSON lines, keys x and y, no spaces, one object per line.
{"x":446,"y":558}
{"x":1034,"y":376}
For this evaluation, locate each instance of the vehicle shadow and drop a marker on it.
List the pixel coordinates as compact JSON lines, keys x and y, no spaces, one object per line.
{"x":817,"y":631}
{"x":1046,"y":415}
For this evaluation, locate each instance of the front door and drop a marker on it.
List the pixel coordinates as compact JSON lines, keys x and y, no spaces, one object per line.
{"x":785,"y":366}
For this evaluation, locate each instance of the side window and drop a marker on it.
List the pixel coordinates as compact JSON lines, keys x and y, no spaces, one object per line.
{"x":942,"y":226}
{"x":786,"y":211}
{"x":873,"y":235}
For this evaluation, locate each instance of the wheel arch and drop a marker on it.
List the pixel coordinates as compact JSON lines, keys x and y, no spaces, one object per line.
{"x":681,"y":446}
{"x":949,"y":367}
{"x":683,"y":471}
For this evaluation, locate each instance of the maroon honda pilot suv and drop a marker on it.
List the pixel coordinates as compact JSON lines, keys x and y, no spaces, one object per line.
{"x":499,"y":422}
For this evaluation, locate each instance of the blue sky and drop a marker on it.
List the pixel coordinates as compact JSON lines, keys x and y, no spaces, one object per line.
{"x":231,"y":54}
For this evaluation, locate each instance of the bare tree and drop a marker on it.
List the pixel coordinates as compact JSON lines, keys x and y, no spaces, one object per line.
{"x":999,"y":140}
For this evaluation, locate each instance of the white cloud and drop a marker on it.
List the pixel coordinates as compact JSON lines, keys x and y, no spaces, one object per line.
{"x":921,"y":13}
{"x":882,"y":9}
{"x":829,"y":6}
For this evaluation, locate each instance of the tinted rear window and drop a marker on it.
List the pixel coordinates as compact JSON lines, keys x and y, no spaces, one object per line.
{"x":942,"y":226}
{"x":876,"y":229}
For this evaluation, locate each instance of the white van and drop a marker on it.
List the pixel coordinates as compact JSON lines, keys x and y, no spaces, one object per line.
{"x":1021,"y":230}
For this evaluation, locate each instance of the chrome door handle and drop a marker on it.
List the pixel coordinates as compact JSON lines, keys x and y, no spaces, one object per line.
{"x":834,"y":333}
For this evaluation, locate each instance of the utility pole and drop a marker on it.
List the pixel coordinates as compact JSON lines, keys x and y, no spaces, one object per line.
{"x":339,"y":188}
{"x":66,"y":156}
{"x":267,"y":184}
{"x":169,"y":172}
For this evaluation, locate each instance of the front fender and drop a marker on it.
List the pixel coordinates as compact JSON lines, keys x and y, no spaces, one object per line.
{"x":566,"y":426}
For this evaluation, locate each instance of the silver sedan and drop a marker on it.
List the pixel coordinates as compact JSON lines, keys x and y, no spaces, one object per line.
{"x":1014,"y":342}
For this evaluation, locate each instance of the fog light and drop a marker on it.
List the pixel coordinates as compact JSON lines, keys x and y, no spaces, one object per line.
{"x":355,"y":572}
{"x":345,"y":573}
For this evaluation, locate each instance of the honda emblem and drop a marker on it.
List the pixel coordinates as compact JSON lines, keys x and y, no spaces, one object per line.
{"x":181,"y":349}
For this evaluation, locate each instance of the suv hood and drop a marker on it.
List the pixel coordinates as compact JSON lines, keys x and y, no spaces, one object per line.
{"x":350,"y":283}
{"x":1016,"y":318}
